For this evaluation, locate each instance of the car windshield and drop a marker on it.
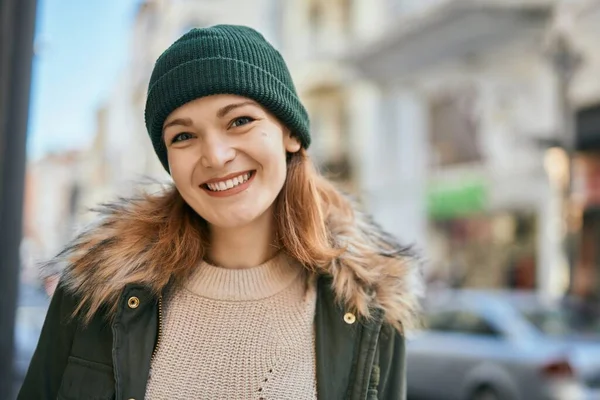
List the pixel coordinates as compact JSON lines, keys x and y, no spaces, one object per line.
{"x":564,"y":320}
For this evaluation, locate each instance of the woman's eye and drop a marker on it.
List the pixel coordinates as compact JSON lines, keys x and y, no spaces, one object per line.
{"x":180,"y":137}
{"x":241,"y":121}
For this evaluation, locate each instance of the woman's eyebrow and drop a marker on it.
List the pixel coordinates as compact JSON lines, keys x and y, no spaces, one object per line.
{"x":178,"y":121}
{"x":225,"y":110}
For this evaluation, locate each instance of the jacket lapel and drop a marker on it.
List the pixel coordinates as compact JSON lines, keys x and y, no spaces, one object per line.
{"x":365,"y":358}
{"x":336,"y":344}
{"x":135,"y":330}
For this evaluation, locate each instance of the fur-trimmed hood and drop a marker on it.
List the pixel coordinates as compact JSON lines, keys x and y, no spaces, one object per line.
{"x":374,"y":272}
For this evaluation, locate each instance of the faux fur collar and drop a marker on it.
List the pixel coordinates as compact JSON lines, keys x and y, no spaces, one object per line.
{"x":374,"y":272}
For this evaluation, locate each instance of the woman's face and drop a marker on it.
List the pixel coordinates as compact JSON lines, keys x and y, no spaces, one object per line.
{"x":227,"y":157}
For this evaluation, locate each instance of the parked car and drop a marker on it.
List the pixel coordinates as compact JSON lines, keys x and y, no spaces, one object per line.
{"x":481,"y":345}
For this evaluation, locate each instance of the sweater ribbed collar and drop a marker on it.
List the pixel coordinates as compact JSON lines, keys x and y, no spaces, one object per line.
{"x":245,"y":284}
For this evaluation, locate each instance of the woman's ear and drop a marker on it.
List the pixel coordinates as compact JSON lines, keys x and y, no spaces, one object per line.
{"x":291,"y":142}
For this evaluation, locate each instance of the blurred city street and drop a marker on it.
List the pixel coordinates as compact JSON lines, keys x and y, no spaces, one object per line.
{"x":469,"y":128}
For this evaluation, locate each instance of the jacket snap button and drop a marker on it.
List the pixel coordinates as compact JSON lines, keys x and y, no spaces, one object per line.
{"x":133,"y":302}
{"x":349,"y":318}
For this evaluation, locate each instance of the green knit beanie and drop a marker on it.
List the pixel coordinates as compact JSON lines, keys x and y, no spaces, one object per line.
{"x":223,"y":59}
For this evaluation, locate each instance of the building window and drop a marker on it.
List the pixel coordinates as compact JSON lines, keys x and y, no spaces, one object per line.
{"x":454,"y":135}
{"x":329,"y":124}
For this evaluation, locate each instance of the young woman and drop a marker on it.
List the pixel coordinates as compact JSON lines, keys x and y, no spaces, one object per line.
{"x":251,"y":278}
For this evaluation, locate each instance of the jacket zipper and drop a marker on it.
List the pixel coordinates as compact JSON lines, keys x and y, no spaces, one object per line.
{"x":158,"y":337}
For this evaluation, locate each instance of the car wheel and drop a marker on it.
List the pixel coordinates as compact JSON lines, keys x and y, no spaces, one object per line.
{"x":485,"y":393}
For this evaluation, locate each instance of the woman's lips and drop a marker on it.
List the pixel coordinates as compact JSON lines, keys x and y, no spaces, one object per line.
{"x":232,"y":191}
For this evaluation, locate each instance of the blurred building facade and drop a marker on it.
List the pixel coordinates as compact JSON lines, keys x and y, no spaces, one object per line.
{"x":400,"y":116}
{"x":476,"y":103}
{"x":51,"y":208}
{"x":472,"y":98}
{"x":440,"y":114}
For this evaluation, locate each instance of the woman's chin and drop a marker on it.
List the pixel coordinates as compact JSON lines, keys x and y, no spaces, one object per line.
{"x":232,"y":222}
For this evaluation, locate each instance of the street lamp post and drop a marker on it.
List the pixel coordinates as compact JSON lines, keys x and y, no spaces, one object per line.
{"x":565,"y":61}
{"x":17,"y":23}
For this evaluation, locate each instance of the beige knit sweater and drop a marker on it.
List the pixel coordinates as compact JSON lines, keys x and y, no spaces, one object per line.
{"x":238,"y":334}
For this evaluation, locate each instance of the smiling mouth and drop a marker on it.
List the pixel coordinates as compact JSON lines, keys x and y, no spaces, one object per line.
{"x":230,"y":183}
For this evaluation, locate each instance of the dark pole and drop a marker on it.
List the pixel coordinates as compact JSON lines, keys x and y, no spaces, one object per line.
{"x":17,"y":25}
{"x":565,"y":61}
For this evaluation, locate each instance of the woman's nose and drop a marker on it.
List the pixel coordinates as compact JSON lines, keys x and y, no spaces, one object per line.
{"x":216,"y":153}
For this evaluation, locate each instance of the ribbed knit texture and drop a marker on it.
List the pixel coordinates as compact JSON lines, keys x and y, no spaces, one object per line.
{"x":238,"y":334}
{"x":223,"y":59}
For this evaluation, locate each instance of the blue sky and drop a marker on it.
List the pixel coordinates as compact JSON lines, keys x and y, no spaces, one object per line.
{"x":81,"y":46}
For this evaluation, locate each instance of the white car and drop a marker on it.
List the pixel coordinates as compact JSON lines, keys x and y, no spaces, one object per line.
{"x":481,"y":345}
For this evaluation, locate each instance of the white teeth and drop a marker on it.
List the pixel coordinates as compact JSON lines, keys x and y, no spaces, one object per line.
{"x":228,"y":184}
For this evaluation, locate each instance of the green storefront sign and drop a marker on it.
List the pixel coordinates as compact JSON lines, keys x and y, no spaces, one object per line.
{"x":446,"y":200}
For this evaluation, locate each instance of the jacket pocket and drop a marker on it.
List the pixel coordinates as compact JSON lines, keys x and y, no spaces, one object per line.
{"x":86,"y":380}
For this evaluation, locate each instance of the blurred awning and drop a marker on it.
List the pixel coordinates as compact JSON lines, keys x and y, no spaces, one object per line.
{"x":450,"y":31}
{"x":456,"y":199}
